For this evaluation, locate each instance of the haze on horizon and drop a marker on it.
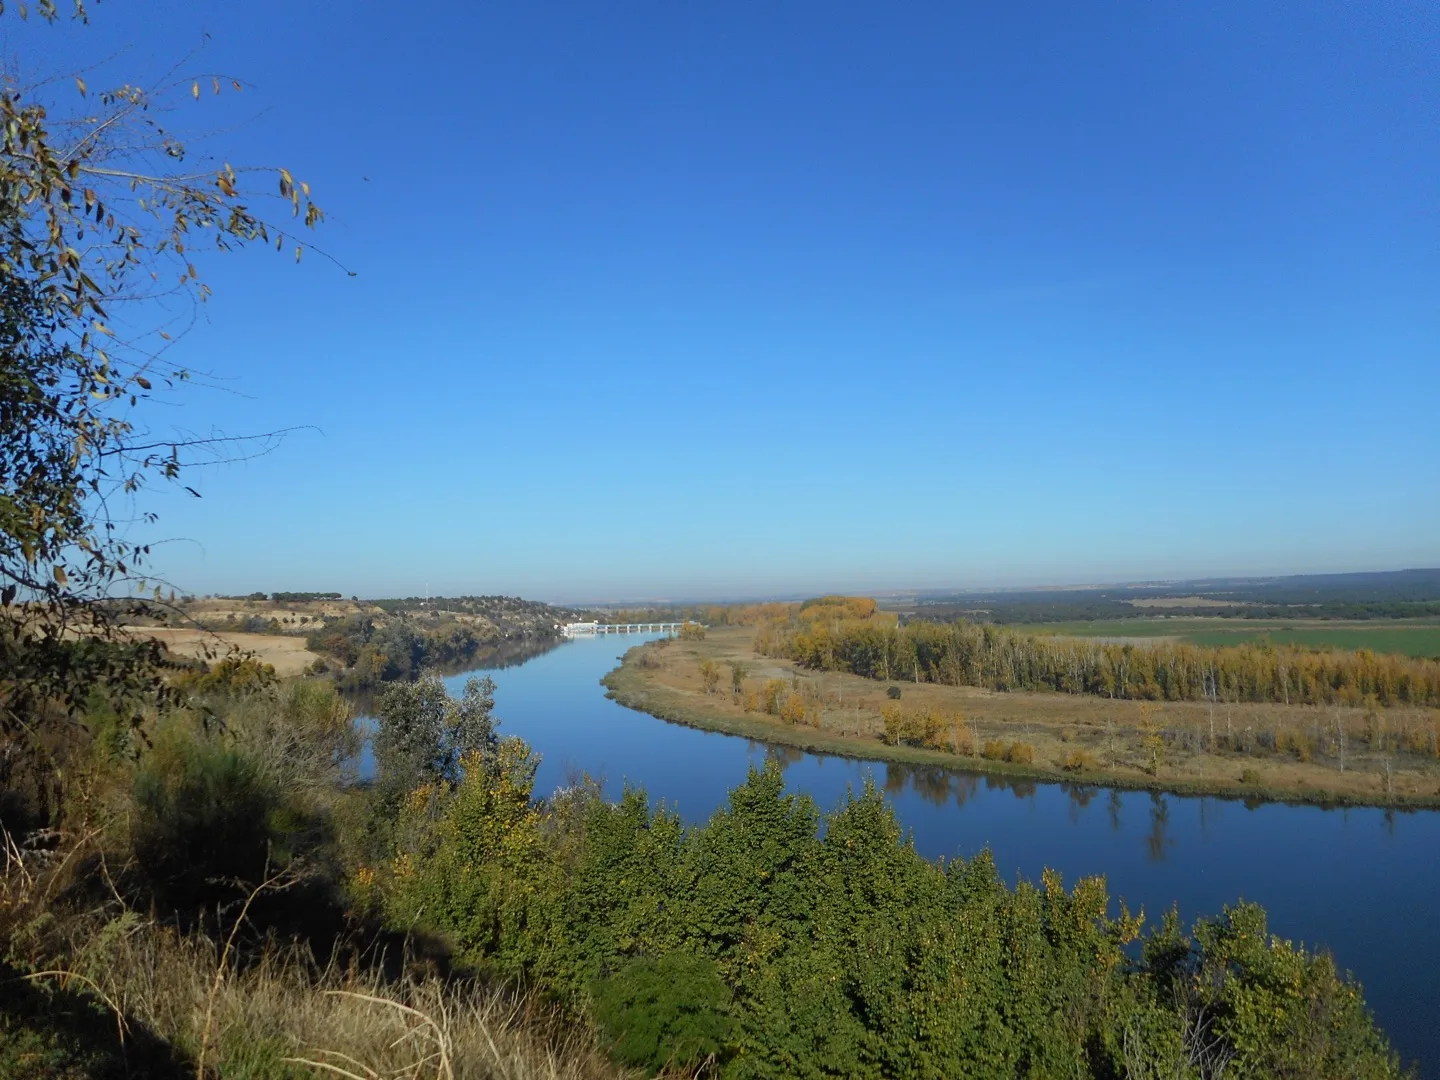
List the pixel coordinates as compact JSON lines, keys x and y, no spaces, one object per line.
{"x":721,"y":302}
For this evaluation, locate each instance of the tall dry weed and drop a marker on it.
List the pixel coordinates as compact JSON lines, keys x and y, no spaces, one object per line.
{"x":270,"y":1010}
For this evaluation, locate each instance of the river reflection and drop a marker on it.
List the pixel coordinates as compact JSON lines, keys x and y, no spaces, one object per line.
{"x":939,"y":787}
{"x":1359,"y":882}
{"x":505,"y":653}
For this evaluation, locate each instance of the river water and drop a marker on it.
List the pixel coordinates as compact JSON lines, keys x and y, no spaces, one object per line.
{"x":1362,"y":883}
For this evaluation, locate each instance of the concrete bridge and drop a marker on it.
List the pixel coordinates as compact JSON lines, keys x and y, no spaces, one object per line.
{"x":575,"y":629}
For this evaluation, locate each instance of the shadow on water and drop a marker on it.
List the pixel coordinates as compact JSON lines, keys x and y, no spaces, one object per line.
{"x":1158,"y":841}
{"x":506,"y":653}
{"x":934,"y":784}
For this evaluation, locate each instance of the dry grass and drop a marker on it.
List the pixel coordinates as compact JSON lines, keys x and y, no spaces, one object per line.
{"x":267,"y":1011}
{"x":1392,"y":771}
{"x":288,"y":655}
{"x":280,"y":1017}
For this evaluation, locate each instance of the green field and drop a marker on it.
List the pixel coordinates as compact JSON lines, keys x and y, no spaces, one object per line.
{"x":1419,"y":638}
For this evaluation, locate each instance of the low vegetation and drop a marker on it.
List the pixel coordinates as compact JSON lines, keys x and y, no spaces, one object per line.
{"x":184,"y":909}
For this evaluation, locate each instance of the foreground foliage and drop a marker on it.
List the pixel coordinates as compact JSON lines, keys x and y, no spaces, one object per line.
{"x":185,"y":916}
{"x":777,"y":941}
{"x":104,"y":215}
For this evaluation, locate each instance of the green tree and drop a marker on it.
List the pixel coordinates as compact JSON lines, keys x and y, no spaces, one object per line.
{"x":709,"y":675}
{"x":1152,"y":738}
{"x":770,"y":941}
{"x":423,"y":733}
{"x":738,"y":672}
{"x":668,"y":1012}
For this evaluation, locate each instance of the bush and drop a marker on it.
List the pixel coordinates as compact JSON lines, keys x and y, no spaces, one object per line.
{"x":793,"y":711}
{"x":894,"y":724}
{"x":1250,"y":776}
{"x":893,"y":693}
{"x":1080,"y":761}
{"x":1017,"y":753}
{"x":202,"y":820}
{"x":815,"y":922}
{"x":666,"y":1012}
{"x":232,"y":676}
{"x":960,"y":741}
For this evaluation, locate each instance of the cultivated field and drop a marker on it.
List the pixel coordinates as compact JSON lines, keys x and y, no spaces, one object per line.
{"x":1419,"y":637}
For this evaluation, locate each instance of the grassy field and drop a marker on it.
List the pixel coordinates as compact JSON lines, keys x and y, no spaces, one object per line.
{"x":1417,"y":638}
{"x":1392,"y":760}
{"x":287,"y":655}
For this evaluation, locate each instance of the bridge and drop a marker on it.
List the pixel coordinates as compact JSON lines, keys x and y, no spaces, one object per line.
{"x":575,"y":629}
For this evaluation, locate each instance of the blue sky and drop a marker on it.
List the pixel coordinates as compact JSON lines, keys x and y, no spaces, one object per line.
{"x":723,"y":299}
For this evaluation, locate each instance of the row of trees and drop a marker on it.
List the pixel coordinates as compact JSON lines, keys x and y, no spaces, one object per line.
{"x":982,"y":654}
{"x":776,"y":940}
{"x":729,"y":614}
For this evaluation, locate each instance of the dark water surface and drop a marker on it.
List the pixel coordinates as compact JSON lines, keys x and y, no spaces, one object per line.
{"x":1362,"y":883}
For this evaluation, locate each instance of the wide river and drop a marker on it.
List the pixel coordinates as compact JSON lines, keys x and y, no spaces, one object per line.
{"x":1363,"y":883}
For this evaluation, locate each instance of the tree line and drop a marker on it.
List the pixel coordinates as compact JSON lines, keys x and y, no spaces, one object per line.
{"x":373,"y":651}
{"x":982,"y":654}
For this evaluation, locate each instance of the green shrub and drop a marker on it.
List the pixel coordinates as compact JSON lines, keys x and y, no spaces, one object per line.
{"x":1250,"y":776}
{"x":25,"y":1052}
{"x":893,"y":693}
{"x":233,"y":676}
{"x":206,"y":821}
{"x":791,"y":943}
{"x":666,"y":1012}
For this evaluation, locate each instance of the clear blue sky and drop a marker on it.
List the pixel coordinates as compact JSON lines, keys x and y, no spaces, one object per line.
{"x":714,"y":299}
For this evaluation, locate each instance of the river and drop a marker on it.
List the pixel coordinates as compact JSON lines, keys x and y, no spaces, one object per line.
{"x":1362,"y":883}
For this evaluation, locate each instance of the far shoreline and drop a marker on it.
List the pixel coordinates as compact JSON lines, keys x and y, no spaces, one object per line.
{"x":633,"y":687}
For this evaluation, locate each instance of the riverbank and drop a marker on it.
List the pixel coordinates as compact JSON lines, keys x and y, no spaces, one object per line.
{"x":1066,"y":738}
